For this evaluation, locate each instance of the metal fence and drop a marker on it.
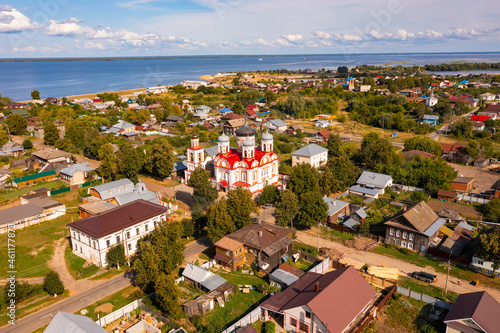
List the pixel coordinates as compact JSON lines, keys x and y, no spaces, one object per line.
{"x":322,"y":266}
{"x":127,"y":309}
{"x":61,"y":190}
{"x":408,"y":188}
{"x":424,"y":298}
{"x":250,"y":318}
{"x":468,"y":198}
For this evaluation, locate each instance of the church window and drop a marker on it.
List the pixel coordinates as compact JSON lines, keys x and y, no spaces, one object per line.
{"x":244,"y":176}
{"x":236,"y":176}
{"x":254,"y":176}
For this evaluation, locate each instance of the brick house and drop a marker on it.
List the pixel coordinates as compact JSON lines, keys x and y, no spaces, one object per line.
{"x":463,"y":184}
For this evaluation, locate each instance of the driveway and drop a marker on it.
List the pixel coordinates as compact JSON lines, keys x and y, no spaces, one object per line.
{"x":405,"y":268}
{"x":485,"y":179}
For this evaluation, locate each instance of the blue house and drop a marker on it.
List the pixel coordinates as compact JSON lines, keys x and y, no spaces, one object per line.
{"x":225,"y":110}
{"x":430,"y":119}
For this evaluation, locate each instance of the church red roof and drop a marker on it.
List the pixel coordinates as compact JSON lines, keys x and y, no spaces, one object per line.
{"x":234,"y":157}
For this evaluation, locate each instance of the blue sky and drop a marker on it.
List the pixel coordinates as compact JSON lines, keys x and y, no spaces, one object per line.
{"x":76,"y":28}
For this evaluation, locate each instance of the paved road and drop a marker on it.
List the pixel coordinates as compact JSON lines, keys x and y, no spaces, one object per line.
{"x":193,"y":249}
{"x":70,"y":304}
{"x":405,"y":268}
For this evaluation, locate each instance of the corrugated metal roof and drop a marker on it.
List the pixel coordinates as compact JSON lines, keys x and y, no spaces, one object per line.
{"x":116,"y":187}
{"x":310,"y":150}
{"x":334,"y":205}
{"x":351,"y":223}
{"x":65,"y":322}
{"x":204,"y":277}
{"x":374,"y":179}
{"x":12,"y":214}
{"x":83,"y":167}
{"x":363,"y":190}
{"x":34,"y":176}
{"x":361,"y":213}
{"x":434,"y":227}
{"x":283,"y":276}
{"x":445,"y":230}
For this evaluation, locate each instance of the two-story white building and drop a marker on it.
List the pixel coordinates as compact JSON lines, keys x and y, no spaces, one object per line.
{"x":312,"y":154}
{"x":92,"y":237}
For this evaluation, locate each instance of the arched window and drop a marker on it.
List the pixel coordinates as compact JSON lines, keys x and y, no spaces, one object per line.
{"x":254,"y":176}
{"x":272,"y":168}
{"x":236,"y":177}
{"x":244,"y":176}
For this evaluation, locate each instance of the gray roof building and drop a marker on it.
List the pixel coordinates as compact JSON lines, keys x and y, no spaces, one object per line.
{"x":334,"y":205}
{"x":205,"y":278}
{"x":212,"y":151}
{"x":278,"y":123}
{"x":83,"y":167}
{"x":309,"y":150}
{"x":283,"y":277}
{"x":114,"y":188}
{"x":140,"y":191}
{"x":65,"y":322}
{"x":374,"y":180}
{"x":19,"y":212}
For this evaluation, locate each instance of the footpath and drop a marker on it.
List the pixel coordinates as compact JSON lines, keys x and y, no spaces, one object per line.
{"x":405,"y":268}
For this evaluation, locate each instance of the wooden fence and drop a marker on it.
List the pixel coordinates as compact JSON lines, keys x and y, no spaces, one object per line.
{"x":375,"y":310}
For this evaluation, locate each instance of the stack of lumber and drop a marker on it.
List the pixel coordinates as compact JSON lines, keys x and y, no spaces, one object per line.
{"x":383,"y":272}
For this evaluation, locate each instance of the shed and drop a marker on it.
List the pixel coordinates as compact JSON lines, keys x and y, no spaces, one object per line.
{"x":481,"y":162}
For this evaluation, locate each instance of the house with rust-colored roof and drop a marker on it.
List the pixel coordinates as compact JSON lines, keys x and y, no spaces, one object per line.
{"x":260,"y":244}
{"x":333,"y":302}
{"x":475,"y":312}
{"x":92,"y":237}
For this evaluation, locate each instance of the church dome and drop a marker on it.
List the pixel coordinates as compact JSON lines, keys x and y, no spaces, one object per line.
{"x":194,"y":136}
{"x":267,"y":136}
{"x":248,"y":142}
{"x":245,"y":130}
{"x":223,"y":138}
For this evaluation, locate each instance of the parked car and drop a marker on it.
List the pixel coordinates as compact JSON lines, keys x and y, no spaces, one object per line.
{"x":423,"y":276}
{"x":267,"y":206}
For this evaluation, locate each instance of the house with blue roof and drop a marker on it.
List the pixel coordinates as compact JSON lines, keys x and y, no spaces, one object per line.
{"x":415,"y":228}
{"x":312,"y":154}
{"x":225,"y":110}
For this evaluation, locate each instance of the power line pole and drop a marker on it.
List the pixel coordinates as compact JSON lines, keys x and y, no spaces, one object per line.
{"x":317,"y":244}
{"x":447,"y":273}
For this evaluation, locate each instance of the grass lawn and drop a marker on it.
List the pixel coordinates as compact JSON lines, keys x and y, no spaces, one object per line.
{"x":75,"y":265}
{"x":240,"y":278}
{"x":118,"y":300}
{"x":427,"y":289}
{"x":35,"y":246}
{"x":26,"y":190}
{"x":334,"y":235}
{"x":110,"y":273}
{"x":409,"y":315}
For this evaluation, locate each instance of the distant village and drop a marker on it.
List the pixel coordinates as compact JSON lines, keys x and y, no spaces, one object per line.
{"x":270,"y":201}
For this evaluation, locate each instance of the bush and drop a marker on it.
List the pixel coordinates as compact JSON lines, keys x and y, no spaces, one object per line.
{"x":23,"y":292}
{"x":269,"y":327}
{"x":27,"y":144}
{"x":116,"y":256}
{"x":53,"y":284}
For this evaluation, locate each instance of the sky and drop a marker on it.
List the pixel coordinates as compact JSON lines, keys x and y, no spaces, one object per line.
{"x":91,"y":28}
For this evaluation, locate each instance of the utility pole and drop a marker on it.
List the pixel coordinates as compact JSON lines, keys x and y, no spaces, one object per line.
{"x":317,"y":245}
{"x":447,"y":273}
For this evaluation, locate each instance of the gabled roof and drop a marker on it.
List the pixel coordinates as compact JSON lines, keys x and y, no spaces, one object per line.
{"x":114,"y":188}
{"x":479,"y":306}
{"x":430,"y":117}
{"x":340,"y":297}
{"x":283,"y":276}
{"x":118,"y":218}
{"x":65,"y":322}
{"x":463,"y":180}
{"x":309,"y":150}
{"x":373,"y":179}
{"x":83,"y":167}
{"x":51,"y":154}
{"x":260,"y":235}
{"x":204,"y":277}
{"x":278,"y":122}
{"x":15,"y":213}
{"x":334,"y":205}
{"x":324,"y":133}
{"x":420,"y":217}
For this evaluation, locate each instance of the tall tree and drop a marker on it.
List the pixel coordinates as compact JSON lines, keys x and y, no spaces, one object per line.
{"x":313,"y":209}
{"x":4,"y":138}
{"x":147,"y":265}
{"x":204,"y":194}
{"x":379,"y":152}
{"x":339,"y":174}
{"x":160,"y":158}
{"x":423,"y":143}
{"x":219,"y":221}
{"x":128,"y":163}
{"x":334,"y":146}
{"x":491,"y":211}
{"x":489,"y":248}
{"x":270,"y":194}
{"x":50,"y":134}
{"x":35,"y":94}
{"x":241,"y":203}
{"x":303,"y":178}
{"x":116,"y":256}
{"x":16,"y":124}
{"x":168,"y":295}
{"x":108,"y":162}
{"x":52,"y":284}
{"x":286,"y":208}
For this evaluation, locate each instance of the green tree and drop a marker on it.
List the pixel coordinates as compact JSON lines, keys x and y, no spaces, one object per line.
{"x":313,"y":209}
{"x":334,"y":146}
{"x":35,"y":94}
{"x":417,"y":196}
{"x":160,"y":158}
{"x":269,"y":327}
{"x":27,"y":144}
{"x":241,"y":203}
{"x":204,"y":194}
{"x":187,"y":227}
{"x":295,"y":104}
{"x":491,"y":211}
{"x":4,"y":138}
{"x":287,"y":208}
{"x":147,"y":265}
{"x":52,"y":284}
{"x":462,"y":128}
{"x":168,"y":295}
{"x":116,"y":256}
{"x":128,"y":163}
{"x":50,"y":134}
{"x":489,"y":247}
{"x":339,"y":174}
{"x":270,"y":194}
{"x":219,"y":221}
{"x":16,"y":124}
{"x":370,"y":138}
{"x":108,"y":162}
{"x":423,"y":143}
{"x":378,"y":153}
{"x":303,"y":178}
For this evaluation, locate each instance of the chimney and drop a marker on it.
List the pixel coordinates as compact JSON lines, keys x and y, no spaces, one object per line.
{"x":316,"y":287}
{"x":334,"y":202}
{"x":260,"y":233}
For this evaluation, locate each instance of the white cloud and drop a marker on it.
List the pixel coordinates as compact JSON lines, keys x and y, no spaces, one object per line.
{"x":259,"y":42}
{"x":292,"y":38}
{"x":24,"y":49}
{"x":12,"y":20}
{"x":322,"y":35}
{"x":66,"y":28}
{"x":93,"y":45}
{"x":135,"y":3}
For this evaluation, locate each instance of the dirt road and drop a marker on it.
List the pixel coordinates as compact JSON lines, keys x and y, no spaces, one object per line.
{"x":405,"y":268}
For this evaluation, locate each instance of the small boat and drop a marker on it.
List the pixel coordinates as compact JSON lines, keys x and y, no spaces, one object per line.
{"x":307,"y":58}
{"x":261,"y":59}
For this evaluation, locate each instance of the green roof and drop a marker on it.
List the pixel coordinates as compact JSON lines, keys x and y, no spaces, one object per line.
{"x":35,"y":176}
{"x":21,"y":112}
